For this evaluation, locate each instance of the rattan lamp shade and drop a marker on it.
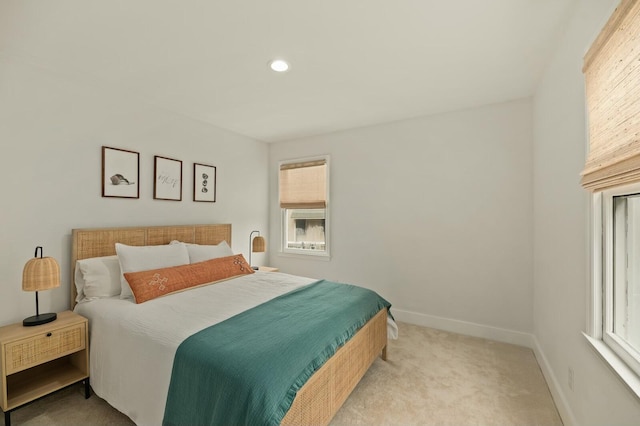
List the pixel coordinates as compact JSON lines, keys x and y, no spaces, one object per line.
{"x":612,"y":77}
{"x":40,"y":273}
{"x":258,"y":245}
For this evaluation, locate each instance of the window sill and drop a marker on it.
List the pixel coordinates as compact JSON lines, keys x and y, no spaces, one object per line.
{"x":624,"y":373}
{"x":307,"y":256}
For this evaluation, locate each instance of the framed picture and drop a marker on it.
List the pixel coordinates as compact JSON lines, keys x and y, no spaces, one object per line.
{"x":120,"y":173}
{"x":204,"y":183}
{"x":167,"y":183}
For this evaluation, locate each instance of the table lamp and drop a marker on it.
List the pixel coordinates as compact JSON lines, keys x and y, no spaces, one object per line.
{"x":256,"y":245}
{"x":40,"y":273}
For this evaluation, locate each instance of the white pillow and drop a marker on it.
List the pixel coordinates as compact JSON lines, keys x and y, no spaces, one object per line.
{"x":97,"y":277}
{"x":200,"y":253}
{"x":79,"y":284}
{"x":143,"y":258}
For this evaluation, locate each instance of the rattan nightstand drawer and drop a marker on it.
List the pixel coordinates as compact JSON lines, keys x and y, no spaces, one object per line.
{"x":35,"y":350}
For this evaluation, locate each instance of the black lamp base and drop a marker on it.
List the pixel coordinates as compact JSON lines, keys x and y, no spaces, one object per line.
{"x":39,"y":319}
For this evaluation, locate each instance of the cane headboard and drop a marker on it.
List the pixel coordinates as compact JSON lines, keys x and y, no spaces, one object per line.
{"x":96,"y":242}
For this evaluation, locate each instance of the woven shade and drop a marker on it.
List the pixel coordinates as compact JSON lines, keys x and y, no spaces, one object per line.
{"x":303,"y":185}
{"x":612,"y":74}
{"x":41,"y":273}
{"x":258,"y":245}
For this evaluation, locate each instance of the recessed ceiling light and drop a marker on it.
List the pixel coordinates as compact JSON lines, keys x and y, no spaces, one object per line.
{"x":279,"y":65}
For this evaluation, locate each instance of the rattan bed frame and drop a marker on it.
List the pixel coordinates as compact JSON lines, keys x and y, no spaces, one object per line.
{"x":325,"y":392}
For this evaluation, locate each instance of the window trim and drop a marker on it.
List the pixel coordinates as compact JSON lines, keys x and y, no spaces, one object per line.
{"x":306,"y":254}
{"x":606,"y":345}
{"x":618,"y":345}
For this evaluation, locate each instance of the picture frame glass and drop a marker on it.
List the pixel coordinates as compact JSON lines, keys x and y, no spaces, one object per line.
{"x":168,"y":179}
{"x":120,"y":173}
{"x":204,"y":183}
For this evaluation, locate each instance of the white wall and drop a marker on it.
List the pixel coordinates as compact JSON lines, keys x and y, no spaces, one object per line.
{"x":561,"y":242}
{"x":52,"y":128}
{"x":434,"y":213}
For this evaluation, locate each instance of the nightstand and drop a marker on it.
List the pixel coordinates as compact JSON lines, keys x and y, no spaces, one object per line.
{"x":36,"y":361}
{"x":267,"y":269}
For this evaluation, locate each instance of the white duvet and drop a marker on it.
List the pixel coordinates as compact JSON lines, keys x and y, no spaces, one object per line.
{"x":132,"y":346}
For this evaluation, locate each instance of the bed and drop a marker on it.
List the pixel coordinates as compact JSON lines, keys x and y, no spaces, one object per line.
{"x":132,"y":353}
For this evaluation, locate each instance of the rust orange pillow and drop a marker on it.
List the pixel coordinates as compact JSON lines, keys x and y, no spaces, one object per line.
{"x":147,"y":285}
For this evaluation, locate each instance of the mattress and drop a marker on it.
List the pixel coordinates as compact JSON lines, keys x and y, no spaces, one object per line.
{"x":132,"y":346}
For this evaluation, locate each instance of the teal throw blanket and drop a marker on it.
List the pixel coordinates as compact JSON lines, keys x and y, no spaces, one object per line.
{"x":247,"y":370}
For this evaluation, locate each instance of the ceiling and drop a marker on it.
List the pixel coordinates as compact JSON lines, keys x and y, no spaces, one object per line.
{"x":353,"y":62}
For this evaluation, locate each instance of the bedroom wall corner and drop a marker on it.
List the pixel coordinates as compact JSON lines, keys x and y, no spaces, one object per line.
{"x":53,"y":127}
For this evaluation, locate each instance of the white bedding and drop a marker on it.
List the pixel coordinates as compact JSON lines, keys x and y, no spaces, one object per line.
{"x":132,"y":346}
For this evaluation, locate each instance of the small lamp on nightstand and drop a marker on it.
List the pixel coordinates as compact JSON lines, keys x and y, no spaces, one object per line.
{"x":40,"y":273}
{"x":256,"y":245}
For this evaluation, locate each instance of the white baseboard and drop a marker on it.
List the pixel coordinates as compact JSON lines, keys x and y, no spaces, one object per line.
{"x":501,"y":335}
{"x":554,"y":386}
{"x":466,"y":328}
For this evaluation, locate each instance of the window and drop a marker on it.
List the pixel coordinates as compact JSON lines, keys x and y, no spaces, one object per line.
{"x":303,"y":202}
{"x":612,"y":173}
{"x":621,"y":273}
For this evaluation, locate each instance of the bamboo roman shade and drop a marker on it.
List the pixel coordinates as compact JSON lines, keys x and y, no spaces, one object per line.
{"x":303,"y":185}
{"x":612,"y":74}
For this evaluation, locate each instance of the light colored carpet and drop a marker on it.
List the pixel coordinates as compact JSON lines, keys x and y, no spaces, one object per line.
{"x":432,"y":377}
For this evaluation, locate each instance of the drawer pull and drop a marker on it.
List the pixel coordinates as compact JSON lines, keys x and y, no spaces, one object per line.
{"x":49,"y":334}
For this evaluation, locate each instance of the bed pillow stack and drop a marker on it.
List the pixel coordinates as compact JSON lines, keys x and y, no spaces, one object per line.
{"x":100,"y":277}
